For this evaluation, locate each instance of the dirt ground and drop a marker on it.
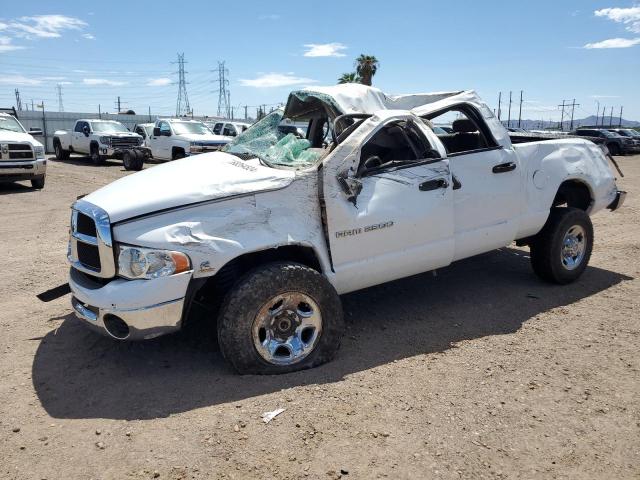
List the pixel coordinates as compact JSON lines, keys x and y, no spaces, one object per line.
{"x":482,"y":371}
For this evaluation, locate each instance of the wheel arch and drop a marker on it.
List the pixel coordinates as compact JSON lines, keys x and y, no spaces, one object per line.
{"x":210,"y":291}
{"x":574,"y":192}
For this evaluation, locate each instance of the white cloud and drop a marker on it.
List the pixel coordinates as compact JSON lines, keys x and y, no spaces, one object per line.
{"x":6,"y":45}
{"x":270,"y":80}
{"x":628,"y":16}
{"x":19,"y":80}
{"x":79,"y":71}
{"x":269,"y":16}
{"x":43,"y":26}
{"x":614,"y":43}
{"x":88,"y":36}
{"x":158,"y":82}
{"x":102,"y":81}
{"x":604,"y":96}
{"x":325,"y":50}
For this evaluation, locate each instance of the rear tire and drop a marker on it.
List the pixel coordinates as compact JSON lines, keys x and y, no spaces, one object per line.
{"x":614,"y":149}
{"x":38,"y":183}
{"x":280,"y":317}
{"x":561,"y":251}
{"x":61,"y":153}
{"x":178,"y":154}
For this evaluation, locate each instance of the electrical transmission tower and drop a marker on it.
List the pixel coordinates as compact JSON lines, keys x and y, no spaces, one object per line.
{"x":60,"y":106}
{"x":566,"y":105}
{"x":18,"y":101}
{"x":182,"y":104}
{"x":224,"y":94}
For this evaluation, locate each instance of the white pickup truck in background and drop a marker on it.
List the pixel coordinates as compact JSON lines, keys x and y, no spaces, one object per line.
{"x":101,"y":139}
{"x":21,"y":155}
{"x":228,"y":129}
{"x":267,"y":233}
{"x":175,"y":138}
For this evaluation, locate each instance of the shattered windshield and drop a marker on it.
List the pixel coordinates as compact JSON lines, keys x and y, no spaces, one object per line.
{"x":275,"y":143}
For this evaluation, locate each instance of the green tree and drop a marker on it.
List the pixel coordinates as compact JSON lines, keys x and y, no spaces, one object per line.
{"x":351,"y":77}
{"x":366,"y":68}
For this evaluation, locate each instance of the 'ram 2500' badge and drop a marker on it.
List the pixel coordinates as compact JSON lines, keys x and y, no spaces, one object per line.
{"x":369,"y":228}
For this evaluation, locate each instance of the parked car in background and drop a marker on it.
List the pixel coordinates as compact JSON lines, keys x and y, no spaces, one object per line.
{"x":145,"y":130}
{"x":174,"y":138}
{"x":21,"y":155}
{"x":263,"y":236}
{"x":629,"y":133}
{"x":617,"y":144}
{"x":101,"y":139}
{"x":228,"y":129}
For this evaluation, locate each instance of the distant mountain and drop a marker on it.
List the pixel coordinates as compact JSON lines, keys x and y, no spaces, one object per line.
{"x":588,"y":121}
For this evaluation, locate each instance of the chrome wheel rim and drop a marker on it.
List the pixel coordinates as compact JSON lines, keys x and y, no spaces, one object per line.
{"x":574,"y":245}
{"x":286,"y":329}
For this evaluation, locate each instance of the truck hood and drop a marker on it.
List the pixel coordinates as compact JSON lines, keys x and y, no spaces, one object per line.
{"x":7,"y":136}
{"x":188,"y":181}
{"x":121,"y":134}
{"x":194,"y":137}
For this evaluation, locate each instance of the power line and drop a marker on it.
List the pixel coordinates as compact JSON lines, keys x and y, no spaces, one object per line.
{"x":182,"y":104}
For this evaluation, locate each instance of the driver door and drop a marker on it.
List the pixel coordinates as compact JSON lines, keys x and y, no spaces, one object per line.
{"x":401,"y":221}
{"x":160,"y":145}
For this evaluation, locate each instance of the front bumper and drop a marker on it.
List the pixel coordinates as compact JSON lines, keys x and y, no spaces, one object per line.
{"x":130,"y":309}
{"x":619,"y":200}
{"x":11,"y":171}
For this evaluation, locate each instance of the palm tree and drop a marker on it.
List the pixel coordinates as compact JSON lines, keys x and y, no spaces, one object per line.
{"x":351,"y":77}
{"x":366,"y":68}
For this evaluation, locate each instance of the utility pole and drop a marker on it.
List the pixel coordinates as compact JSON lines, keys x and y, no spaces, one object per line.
{"x":18,"y":101}
{"x":520,"y":111}
{"x":509,"y":117}
{"x":224,"y":94}
{"x":59,"y":90}
{"x":99,"y":112}
{"x":611,"y":117}
{"x":182,"y":103}
{"x":620,"y":118}
{"x":561,"y":116}
{"x":499,"y":104}
{"x":118,"y":104}
{"x":149,"y":112}
{"x":32,"y":108}
{"x":245,"y":112}
{"x":597,"y":112}
{"x":603,"y":109}
{"x":573,"y":106}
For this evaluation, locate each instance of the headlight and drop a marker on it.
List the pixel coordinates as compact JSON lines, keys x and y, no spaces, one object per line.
{"x":105,"y":140}
{"x":194,"y":148}
{"x":138,"y":263}
{"x":39,"y":151}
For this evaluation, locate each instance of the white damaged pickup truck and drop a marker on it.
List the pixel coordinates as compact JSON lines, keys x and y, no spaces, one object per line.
{"x":265,"y":237}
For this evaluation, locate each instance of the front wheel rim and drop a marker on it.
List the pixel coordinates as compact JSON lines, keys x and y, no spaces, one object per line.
{"x":287,"y":328}
{"x":574,"y":247}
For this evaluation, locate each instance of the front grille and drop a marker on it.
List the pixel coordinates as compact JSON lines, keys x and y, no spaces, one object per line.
{"x":86,"y":225}
{"x":18,"y":151}
{"x":124,"y":142}
{"x":89,"y":255}
{"x":90,"y":245}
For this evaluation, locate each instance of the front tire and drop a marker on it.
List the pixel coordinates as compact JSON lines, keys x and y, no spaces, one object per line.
{"x":38,"y":183}
{"x":127,"y":160}
{"x":61,"y":153}
{"x":96,"y":158}
{"x":561,"y":251}
{"x":280,"y":317}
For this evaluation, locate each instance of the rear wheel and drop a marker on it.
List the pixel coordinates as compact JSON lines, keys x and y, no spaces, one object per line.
{"x":61,"y":153}
{"x":614,"y":149}
{"x":38,"y":183}
{"x":279,"y":318}
{"x":561,"y":251}
{"x":178,"y":153}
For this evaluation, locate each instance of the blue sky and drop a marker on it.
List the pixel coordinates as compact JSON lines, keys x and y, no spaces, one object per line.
{"x":553,"y":50}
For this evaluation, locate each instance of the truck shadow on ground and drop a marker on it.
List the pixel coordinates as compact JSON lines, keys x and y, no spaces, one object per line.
{"x":85,"y":161}
{"x":78,"y":374}
{"x":12,"y":188}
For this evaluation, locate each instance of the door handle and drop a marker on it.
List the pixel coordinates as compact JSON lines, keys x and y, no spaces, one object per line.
{"x":433,"y":184}
{"x":504,"y":167}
